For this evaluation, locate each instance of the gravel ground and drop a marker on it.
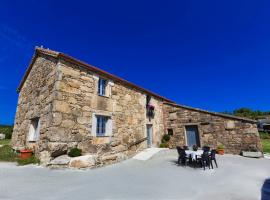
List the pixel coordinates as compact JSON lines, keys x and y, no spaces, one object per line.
{"x":158,"y":178}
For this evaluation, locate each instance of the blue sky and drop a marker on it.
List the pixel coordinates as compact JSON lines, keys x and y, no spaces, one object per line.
{"x":208,"y":54}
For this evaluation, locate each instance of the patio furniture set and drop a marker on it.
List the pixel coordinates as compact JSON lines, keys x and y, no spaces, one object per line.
{"x":197,"y":157}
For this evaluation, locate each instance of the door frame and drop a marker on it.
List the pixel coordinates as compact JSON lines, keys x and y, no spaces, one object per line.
{"x":199,"y":135}
{"x":149,"y":139}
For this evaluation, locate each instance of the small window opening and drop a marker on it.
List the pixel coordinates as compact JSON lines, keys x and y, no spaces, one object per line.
{"x":170,"y":132}
{"x":34,"y":130}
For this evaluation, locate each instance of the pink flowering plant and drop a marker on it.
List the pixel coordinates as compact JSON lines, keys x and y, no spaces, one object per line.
{"x":150,"y":110}
{"x":151,"y":107}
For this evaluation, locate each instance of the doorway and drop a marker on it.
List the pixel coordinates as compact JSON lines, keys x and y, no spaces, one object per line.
{"x":192,"y":136}
{"x":149,"y":132}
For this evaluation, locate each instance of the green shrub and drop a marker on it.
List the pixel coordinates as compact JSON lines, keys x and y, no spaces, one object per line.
{"x":7,"y":154}
{"x":7,"y":130}
{"x":75,"y":152}
{"x":220,"y":147}
{"x":9,"y":134}
{"x":166,"y":138}
{"x":163,"y":145}
{"x":28,"y":161}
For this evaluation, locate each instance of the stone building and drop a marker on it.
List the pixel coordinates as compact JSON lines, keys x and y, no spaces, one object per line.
{"x":66,"y":103}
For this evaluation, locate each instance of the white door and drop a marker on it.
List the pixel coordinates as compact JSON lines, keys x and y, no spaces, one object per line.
{"x":149,"y":132}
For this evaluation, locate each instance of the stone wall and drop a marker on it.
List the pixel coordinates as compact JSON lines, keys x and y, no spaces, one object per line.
{"x":74,"y":102}
{"x":65,"y":97}
{"x":35,"y":100}
{"x":214,"y":130}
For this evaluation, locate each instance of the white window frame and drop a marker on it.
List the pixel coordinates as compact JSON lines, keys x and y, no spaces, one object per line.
{"x":108,"y":88}
{"x":34,"y":130}
{"x":108,"y":125}
{"x":102,"y":87}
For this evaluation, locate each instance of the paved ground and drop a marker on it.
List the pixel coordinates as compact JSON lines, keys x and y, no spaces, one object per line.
{"x":158,"y":178}
{"x":147,"y":154}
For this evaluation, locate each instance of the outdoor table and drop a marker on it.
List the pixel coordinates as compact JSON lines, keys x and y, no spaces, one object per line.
{"x":193,"y":154}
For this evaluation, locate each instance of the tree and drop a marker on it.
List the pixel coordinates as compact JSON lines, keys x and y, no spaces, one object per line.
{"x":249,"y":113}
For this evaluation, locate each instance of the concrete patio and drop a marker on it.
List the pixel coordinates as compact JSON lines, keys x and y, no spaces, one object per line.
{"x":158,"y":178}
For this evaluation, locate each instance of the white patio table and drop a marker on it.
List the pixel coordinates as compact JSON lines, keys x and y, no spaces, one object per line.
{"x":193,"y":154}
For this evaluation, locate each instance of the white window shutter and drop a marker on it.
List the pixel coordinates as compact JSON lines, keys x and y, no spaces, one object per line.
{"x":108,"y":90}
{"x":94,"y":124}
{"x":109,"y":127}
{"x":31,"y":133}
{"x":97,"y":83}
{"x":110,"y":85}
{"x":37,"y":131}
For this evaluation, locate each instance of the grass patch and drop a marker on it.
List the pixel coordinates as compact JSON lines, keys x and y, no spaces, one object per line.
{"x":5,"y":142}
{"x":7,"y":154}
{"x":264,"y":135}
{"x":266,"y":145}
{"x":28,"y":161}
{"x":265,"y":138}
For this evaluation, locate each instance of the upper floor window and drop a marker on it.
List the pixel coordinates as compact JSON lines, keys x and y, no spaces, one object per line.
{"x":102,"y":84}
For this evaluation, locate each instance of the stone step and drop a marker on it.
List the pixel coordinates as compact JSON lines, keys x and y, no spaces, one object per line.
{"x":148,"y":153}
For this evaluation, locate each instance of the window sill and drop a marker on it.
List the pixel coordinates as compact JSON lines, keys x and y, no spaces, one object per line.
{"x":103,"y":96}
{"x":103,"y":136}
{"x":31,"y":141}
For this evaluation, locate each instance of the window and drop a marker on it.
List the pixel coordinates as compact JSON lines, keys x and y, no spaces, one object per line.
{"x":170,"y":132}
{"x":34,"y":130}
{"x":102,"y":126}
{"x":102,"y":84}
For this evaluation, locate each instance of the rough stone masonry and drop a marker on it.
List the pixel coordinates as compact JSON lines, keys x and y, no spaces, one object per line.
{"x":65,"y":103}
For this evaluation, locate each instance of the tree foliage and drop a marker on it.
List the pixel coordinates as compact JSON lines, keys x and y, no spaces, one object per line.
{"x":248,"y":113}
{"x":7,"y":130}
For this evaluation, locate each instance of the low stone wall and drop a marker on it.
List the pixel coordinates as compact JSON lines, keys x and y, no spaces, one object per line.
{"x":236,"y":135}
